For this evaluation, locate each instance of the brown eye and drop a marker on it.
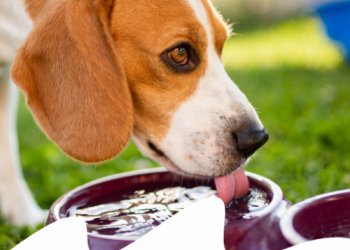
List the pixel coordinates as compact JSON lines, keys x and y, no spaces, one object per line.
{"x":178,"y":56}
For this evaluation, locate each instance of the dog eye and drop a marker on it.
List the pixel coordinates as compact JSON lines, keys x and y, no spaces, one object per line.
{"x":178,"y":55}
{"x":181,"y":58}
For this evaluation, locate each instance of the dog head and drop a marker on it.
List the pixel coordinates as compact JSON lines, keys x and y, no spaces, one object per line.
{"x":96,"y":72}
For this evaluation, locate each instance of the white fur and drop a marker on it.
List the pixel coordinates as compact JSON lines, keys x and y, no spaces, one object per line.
{"x":14,"y":27}
{"x":199,"y":138}
{"x":16,"y":201}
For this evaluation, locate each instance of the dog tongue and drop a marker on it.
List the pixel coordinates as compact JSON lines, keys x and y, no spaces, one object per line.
{"x":234,"y":185}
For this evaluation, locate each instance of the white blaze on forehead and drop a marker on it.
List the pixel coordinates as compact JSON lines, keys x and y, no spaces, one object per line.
{"x":202,"y":16}
{"x":215,"y":79}
{"x":200,"y":139}
{"x":200,"y":12}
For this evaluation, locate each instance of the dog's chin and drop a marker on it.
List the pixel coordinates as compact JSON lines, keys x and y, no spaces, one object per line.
{"x":151,"y":151}
{"x":171,"y":166}
{"x":166,"y":162}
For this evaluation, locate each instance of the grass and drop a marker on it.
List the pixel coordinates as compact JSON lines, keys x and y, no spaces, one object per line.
{"x":300,"y":85}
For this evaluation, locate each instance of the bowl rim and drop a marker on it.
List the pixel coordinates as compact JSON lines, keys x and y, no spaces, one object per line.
{"x":286,"y":222}
{"x":56,"y":206}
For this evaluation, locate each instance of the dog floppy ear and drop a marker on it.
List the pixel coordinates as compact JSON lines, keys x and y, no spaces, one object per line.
{"x":74,"y":81}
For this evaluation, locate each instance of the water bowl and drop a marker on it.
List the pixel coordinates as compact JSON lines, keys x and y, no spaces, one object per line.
{"x":252,"y":222}
{"x":322,"y":216}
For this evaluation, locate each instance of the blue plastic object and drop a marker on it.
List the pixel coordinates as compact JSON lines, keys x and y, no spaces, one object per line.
{"x":336,"y":18}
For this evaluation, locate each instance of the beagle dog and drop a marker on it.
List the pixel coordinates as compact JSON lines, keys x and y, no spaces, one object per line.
{"x":96,"y":73}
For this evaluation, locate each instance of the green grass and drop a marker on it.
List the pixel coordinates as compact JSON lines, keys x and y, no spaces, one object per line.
{"x":298,"y":81}
{"x":300,"y":86}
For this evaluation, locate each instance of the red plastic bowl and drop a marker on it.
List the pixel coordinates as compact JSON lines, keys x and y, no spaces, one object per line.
{"x":258,"y":231}
{"x":323,"y":216}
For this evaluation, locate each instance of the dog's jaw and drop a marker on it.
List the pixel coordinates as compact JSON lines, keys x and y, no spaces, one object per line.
{"x":201,"y":136}
{"x":161,"y":158}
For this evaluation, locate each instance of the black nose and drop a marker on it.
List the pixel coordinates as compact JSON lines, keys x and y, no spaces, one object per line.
{"x":250,"y":140}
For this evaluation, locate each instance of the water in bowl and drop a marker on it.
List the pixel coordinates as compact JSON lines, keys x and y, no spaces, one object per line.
{"x":140,"y":212}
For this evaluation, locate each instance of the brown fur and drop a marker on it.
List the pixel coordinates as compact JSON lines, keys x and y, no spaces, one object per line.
{"x":84,"y":57}
{"x":34,"y":7}
{"x":74,"y":81}
{"x":142,"y":31}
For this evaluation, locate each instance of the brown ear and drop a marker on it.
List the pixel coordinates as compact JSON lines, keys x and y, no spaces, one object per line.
{"x":74,"y":82}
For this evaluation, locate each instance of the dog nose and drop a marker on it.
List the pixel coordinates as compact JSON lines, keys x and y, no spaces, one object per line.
{"x":249,"y":141}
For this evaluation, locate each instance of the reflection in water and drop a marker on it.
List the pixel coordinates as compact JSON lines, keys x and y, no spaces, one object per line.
{"x":139,"y":213}
{"x":135,"y":216}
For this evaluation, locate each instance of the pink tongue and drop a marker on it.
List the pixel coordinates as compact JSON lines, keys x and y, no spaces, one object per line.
{"x":234,"y":185}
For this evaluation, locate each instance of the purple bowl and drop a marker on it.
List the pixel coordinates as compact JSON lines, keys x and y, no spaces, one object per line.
{"x":323,"y":216}
{"x":258,"y":230}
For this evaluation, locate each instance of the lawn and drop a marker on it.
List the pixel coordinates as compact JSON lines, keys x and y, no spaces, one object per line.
{"x":292,"y":74}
